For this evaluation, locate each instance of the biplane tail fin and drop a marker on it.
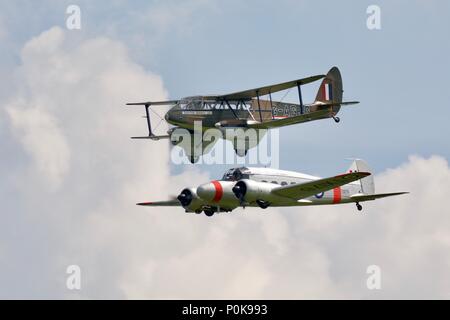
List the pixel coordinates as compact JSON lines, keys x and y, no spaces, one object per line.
{"x":330,"y":90}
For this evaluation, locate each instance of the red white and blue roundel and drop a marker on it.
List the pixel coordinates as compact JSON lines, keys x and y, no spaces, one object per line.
{"x":328,"y":91}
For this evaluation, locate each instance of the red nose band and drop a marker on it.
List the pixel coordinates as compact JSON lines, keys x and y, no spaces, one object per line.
{"x":219,"y":191}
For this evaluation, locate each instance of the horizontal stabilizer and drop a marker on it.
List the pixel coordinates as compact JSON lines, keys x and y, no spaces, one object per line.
{"x":308,"y":189}
{"x":348,"y":103}
{"x":369,"y":197}
{"x":334,"y":104}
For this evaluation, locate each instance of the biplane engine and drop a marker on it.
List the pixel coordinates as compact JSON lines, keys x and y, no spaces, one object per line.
{"x":190,"y":201}
{"x":249,"y":192}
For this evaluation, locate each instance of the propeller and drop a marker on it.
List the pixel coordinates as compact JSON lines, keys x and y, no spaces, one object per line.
{"x":239,"y":190}
{"x":185,"y":197}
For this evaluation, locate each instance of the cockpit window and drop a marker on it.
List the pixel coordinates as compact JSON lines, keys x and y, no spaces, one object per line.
{"x":234,"y":175}
{"x":237,"y":175}
{"x":228,"y":176}
{"x":191,"y":103}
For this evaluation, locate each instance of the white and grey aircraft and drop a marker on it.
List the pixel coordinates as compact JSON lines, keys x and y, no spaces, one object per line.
{"x":264,"y":188}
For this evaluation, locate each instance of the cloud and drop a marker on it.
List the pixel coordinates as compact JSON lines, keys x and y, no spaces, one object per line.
{"x":34,"y":126}
{"x":83,"y":175}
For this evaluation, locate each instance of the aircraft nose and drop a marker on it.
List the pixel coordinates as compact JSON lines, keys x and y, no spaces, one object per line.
{"x":212,"y":191}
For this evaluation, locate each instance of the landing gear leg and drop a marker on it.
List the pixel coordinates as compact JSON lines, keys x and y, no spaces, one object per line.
{"x":337,"y":119}
{"x":358,"y":206}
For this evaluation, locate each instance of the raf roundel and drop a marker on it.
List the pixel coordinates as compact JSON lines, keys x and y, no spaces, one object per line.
{"x":319,"y":195}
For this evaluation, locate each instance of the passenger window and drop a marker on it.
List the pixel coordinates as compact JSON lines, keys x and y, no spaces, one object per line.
{"x":274,"y":182}
{"x":284,"y":183}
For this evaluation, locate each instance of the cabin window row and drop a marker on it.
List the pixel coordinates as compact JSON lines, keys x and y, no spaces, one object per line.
{"x":283,"y":183}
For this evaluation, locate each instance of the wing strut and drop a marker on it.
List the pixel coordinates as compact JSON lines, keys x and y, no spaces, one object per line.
{"x":234,"y":113}
{"x":300,"y":98}
{"x":259,"y":106}
{"x":271,"y":105}
{"x":150,"y":133}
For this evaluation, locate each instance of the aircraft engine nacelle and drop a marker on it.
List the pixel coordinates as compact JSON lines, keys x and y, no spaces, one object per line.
{"x":190,"y":201}
{"x":250,"y":192}
{"x":218,"y":193}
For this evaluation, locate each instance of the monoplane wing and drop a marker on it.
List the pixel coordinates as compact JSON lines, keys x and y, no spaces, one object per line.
{"x":305,"y":190}
{"x":169,"y":203}
{"x":261,"y":91}
{"x":291,"y":120}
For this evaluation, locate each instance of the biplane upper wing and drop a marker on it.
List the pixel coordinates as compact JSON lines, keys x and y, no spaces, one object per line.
{"x":154,"y":103}
{"x":261,"y":91}
{"x":308,"y":189}
{"x":291,"y":120}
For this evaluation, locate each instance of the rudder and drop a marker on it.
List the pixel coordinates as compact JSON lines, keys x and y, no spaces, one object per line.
{"x":330,"y":89}
{"x":367,"y":183}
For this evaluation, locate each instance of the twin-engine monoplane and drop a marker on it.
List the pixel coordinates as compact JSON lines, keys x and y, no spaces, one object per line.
{"x":250,"y":109}
{"x":264,"y":188}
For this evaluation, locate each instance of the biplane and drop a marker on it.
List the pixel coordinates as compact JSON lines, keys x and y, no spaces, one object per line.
{"x":247,"y":110}
{"x":264,"y":188}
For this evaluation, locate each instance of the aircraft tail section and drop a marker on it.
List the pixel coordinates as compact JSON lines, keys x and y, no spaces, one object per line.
{"x":367,"y":183}
{"x":330,"y":89}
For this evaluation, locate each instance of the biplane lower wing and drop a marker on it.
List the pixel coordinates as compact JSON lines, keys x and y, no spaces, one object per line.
{"x":292,"y":120}
{"x":152,"y":137}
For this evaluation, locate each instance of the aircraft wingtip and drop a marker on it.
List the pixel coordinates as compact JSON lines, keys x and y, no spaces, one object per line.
{"x":143,"y":203}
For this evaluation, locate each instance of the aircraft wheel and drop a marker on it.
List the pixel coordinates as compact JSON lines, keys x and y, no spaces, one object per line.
{"x":209,"y":213}
{"x":193,"y":159}
{"x":359,"y":207}
{"x":262,"y":204}
{"x":241,"y":153}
